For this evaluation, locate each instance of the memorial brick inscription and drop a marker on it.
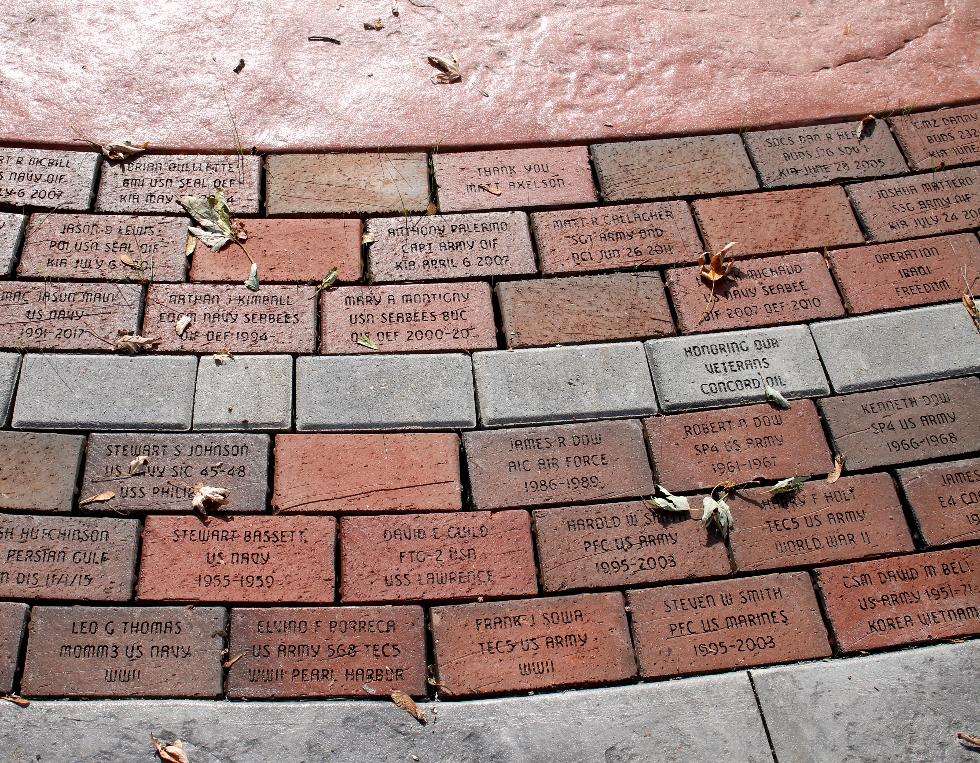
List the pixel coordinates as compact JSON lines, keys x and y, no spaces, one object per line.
{"x":11,"y":232}
{"x":38,"y":470}
{"x":32,"y":177}
{"x":13,"y":617}
{"x":937,"y":139}
{"x":945,"y":499}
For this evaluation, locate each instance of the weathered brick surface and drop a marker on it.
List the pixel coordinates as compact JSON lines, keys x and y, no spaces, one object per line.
{"x":620,"y":544}
{"x":11,"y":233}
{"x":10,"y":363}
{"x":920,"y":205}
{"x":616,"y":238}
{"x":696,"y":451}
{"x":326,"y":652}
{"x":547,"y":643}
{"x":287,"y":251}
{"x":906,"y":273}
{"x":367,"y":472}
{"x":124,"y":248}
{"x":727,"y":624}
{"x":124,"y":652}
{"x":439,"y":247}
{"x":153,"y":183}
{"x":81,"y":559}
{"x":253,"y":559}
{"x":34,"y":177}
{"x":220,"y":404}
{"x":38,"y":470}
{"x":346,"y":183}
{"x":778,"y":221}
{"x":584,"y":309}
{"x":156,"y":472}
{"x":13,"y":618}
{"x":407,"y":318}
{"x":436,"y":557}
{"x":524,"y":177}
{"x":945,"y":499}
{"x":902,"y":600}
{"x":547,"y":466}
{"x":655,"y":169}
{"x":944,"y":138}
{"x":794,"y":288}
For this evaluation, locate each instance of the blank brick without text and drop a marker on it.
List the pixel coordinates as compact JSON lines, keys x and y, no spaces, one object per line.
{"x":13,"y":618}
{"x":38,"y":470}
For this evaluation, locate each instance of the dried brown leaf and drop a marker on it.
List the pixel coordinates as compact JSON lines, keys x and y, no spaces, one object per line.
{"x":183,"y":323}
{"x":488,"y":189}
{"x":222,"y":357}
{"x":207,"y":498}
{"x":449,"y":71}
{"x":407,"y":704}
{"x":129,"y":261}
{"x":365,"y":340}
{"x":133,"y":343}
{"x":866,"y":126}
{"x":232,"y":661}
{"x":103,"y":497}
{"x":19,"y":701}
{"x":367,"y":238}
{"x":190,"y":245}
{"x":713,"y":266}
{"x":968,"y":739}
{"x":375,"y":25}
{"x":838,"y":468}
{"x":170,"y":752}
{"x":138,"y":465}
{"x":432,"y":208}
{"x":117,"y":152}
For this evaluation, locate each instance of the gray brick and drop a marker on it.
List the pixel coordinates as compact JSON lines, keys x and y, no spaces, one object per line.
{"x":39,"y":470}
{"x":106,"y":392}
{"x":886,"y":349}
{"x":245,"y":392}
{"x":11,"y":232}
{"x":13,"y":618}
{"x":733,"y":367}
{"x":370,"y":392}
{"x":559,"y":384}
{"x":9,"y":366}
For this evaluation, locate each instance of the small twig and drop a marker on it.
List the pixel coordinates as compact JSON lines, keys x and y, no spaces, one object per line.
{"x":323,"y":38}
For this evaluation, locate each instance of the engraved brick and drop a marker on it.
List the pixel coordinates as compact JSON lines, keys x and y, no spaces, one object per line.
{"x":11,"y":232}
{"x":367,"y":472}
{"x":691,"y":372}
{"x":936,"y":139}
{"x":853,"y":518}
{"x":154,"y":183}
{"x":696,"y":451}
{"x":327,"y":652}
{"x":346,"y":183}
{"x":124,"y":652}
{"x":523,"y":177}
{"x":485,"y":244}
{"x":33,"y":177}
{"x":899,"y":426}
{"x":547,"y":466}
{"x":778,"y":221}
{"x":902,"y":600}
{"x":817,"y":154}
{"x":67,"y":316}
{"x":584,"y":309}
{"x":727,"y":624}
{"x":548,"y":643}
{"x":793,"y":288}
{"x":38,"y":470}
{"x":230,"y":317}
{"x":407,"y":318}
{"x":74,"y":558}
{"x":124,"y":248}
{"x":13,"y":618}
{"x":905,"y":273}
{"x":656,"y":169}
{"x":286,"y":251}
{"x":239,"y":559}
{"x":619,"y":544}
{"x":945,"y":499}
{"x":616,"y":238}
{"x":918,"y":205}
{"x":168,"y":466}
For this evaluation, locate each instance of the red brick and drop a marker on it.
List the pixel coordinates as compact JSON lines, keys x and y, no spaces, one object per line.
{"x":727,"y":624}
{"x":555,"y":465}
{"x":936,"y":139}
{"x":367,"y":472}
{"x":902,"y":600}
{"x":34,"y":177}
{"x":327,"y":652}
{"x":436,"y":557}
{"x":407,"y":318}
{"x":226,"y":317}
{"x":620,"y":544}
{"x":13,"y":618}
{"x":793,"y":288}
{"x":778,"y":221}
{"x":124,"y":652}
{"x":438,"y":247}
{"x":523,"y":177}
{"x":616,"y":238}
{"x":652,"y":169}
{"x":247,"y":559}
{"x":896,"y":426}
{"x":945,"y":499}
{"x":154,"y":183}
{"x":92,"y":247}
{"x":547,"y":643}
{"x":287,"y":251}
{"x":173,"y":464}
{"x":38,"y":470}
{"x":584,"y":309}
{"x":66,"y":316}
{"x":919,"y":205}
{"x":696,"y":451}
